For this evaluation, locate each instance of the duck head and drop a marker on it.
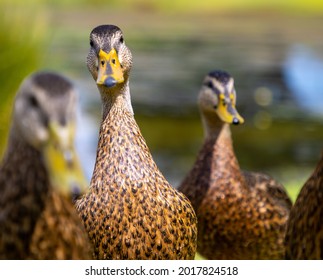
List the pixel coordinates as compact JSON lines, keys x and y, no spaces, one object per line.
{"x":44,"y":117}
{"x":217,"y":98}
{"x":109,"y":60}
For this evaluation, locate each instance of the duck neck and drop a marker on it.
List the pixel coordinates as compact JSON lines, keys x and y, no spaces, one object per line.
{"x":222,"y":148}
{"x":122,"y":154}
{"x":24,"y":184}
{"x":215,"y":162}
{"x":118,"y":96}
{"x":27,"y":165}
{"x":218,"y":136}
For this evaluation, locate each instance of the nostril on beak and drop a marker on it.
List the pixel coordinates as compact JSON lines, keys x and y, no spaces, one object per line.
{"x":235,"y":121}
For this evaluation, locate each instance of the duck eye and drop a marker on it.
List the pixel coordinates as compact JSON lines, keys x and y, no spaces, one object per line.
{"x":33,"y":101}
{"x":121,"y":39}
{"x":91,"y":43}
{"x":209,"y":84}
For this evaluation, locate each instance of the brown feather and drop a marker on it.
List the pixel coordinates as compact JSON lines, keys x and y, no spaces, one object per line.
{"x":304,"y":236}
{"x":241,"y":215}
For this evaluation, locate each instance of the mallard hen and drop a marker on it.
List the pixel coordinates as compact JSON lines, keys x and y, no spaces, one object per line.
{"x":40,"y":174}
{"x":131,"y":211}
{"x":241,"y":215}
{"x":304,"y":235}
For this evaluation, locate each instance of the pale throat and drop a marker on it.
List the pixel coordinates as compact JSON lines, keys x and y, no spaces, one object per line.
{"x":116,"y":97}
{"x":218,"y":135}
{"x":214,"y":127}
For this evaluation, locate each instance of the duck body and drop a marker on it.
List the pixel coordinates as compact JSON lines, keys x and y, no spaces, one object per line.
{"x":241,"y":215}
{"x":37,"y":221}
{"x":131,"y":211}
{"x":62,"y":238}
{"x":304,"y":236}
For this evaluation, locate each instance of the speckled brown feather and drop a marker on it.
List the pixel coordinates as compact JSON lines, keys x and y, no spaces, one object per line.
{"x":36,"y":223}
{"x":304,"y":236}
{"x":23,"y":187}
{"x":240,"y":215}
{"x":59,"y":233}
{"x":131,"y":211}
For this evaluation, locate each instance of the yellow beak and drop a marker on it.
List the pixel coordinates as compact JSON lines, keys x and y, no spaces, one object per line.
{"x":227,"y":111}
{"x":110,"y":70}
{"x":62,"y":162}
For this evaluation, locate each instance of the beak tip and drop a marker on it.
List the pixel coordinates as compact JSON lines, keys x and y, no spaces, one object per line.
{"x":108,"y":82}
{"x":237,"y":121}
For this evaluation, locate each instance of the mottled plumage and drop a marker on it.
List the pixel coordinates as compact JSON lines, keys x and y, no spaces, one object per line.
{"x":304,"y":236}
{"x":37,"y":217}
{"x":131,"y":211}
{"x":241,"y":215}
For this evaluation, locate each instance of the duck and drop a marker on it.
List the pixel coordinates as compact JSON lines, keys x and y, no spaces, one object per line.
{"x":241,"y":214}
{"x":131,"y":211}
{"x":40,"y":174}
{"x":304,"y":234}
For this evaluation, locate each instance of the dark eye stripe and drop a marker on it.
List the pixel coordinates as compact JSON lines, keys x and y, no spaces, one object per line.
{"x":210,"y":85}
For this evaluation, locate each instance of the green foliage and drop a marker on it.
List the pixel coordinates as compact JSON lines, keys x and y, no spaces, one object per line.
{"x":22,"y":34}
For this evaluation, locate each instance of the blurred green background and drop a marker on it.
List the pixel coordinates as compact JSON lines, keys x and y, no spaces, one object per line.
{"x":274,"y":51}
